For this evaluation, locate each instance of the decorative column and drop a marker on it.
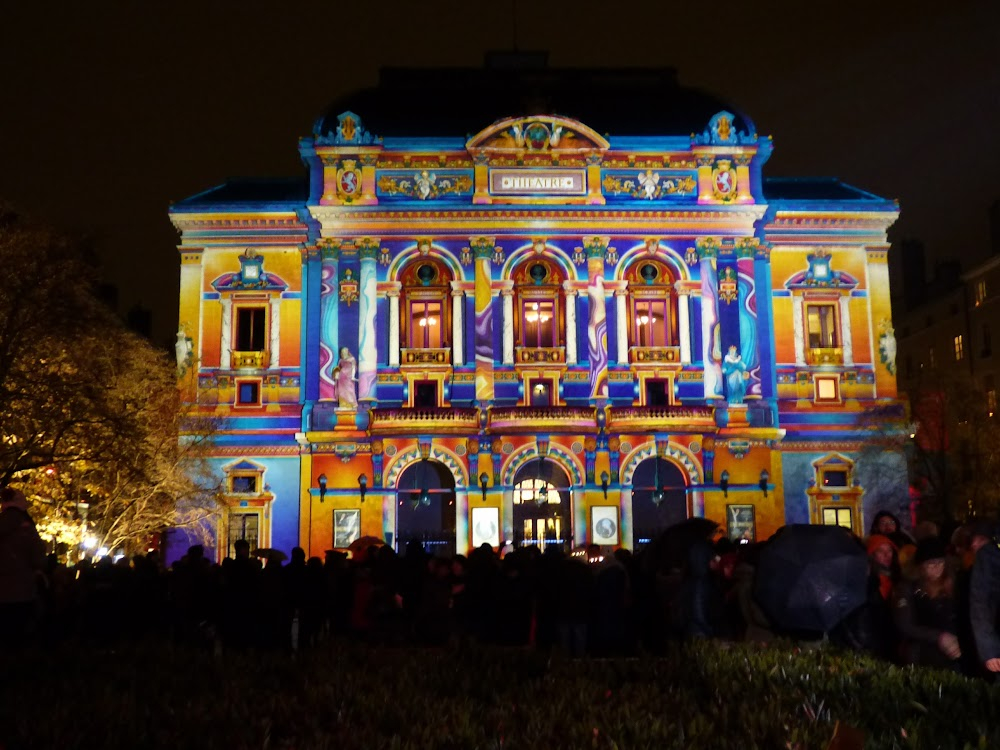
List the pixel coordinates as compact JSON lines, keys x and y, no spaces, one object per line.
{"x":746,"y":248}
{"x":457,"y":306}
{"x":393,"y":294}
{"x":683,"y":322}
{"x":507,"y":293}
{"x":190,"y":318}
{"x":597,"y":326}
{"x":798,"y":331}
{"x":570,"y":297}
{"x":329,"y":333}
{"x":711,"y":344}
{"x":845,"y":329}
{"x":275,"y":305}
{"x":482,"y":248}
{"x":226,"y":352}
{"x":882,"y":337}
{"x":367,"y":307}
{"x":621,"y":324}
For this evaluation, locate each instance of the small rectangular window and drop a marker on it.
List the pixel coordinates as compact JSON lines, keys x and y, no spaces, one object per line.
{"x":540,"y":392}
{"x":837,"y":517}
{"x":834,"y":478}
{"x":823,"y":326}
{"x":991,"y":401}
{"x":538,"y":324}
{"x":827,"y":389}
{"x":251,"y":329}
{"x":959,"y":348}
{"x":980,"y":292}
{"x":426,"y":325}
{"x":248,"y":393}
{"x":244,"y":484}
{"x":656,"y":393}
{"x":425,"y":394}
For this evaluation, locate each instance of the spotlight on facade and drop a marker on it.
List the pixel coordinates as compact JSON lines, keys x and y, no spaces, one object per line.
{"x":484,"y":479}
{"x":362,"y":486}
{"x":604,"y":483}
{"x":764,"y":477}
{"x":724,"y":483}
{"x":321,"y":481}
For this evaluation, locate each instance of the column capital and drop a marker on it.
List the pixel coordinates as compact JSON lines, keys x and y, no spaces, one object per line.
{"x":329,"y":247}
{"x":569,"y":288}
{"x":368,"y":247}
{"x":596,"y":247}
{"x":456,"y":289}
{"x":685,"y":287}
{"x":392,"y":288}
{"x":482,"y":247}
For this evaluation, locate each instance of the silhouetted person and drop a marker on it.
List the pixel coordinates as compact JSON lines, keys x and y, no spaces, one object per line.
{"x":22,"y":559}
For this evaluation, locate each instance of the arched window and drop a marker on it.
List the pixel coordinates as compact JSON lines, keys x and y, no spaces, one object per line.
{"x":538,"y":314}
{"x":653,"y":304}
{"x":426,"y":314}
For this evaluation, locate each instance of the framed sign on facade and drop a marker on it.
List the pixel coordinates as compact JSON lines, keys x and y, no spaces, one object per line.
{"x":740,"y":523}
{"x":346,"y":526}
{"x":485,"y":527}
{"x":604,"y":525}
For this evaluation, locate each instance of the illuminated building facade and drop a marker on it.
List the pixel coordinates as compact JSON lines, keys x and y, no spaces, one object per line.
{"x":537,"y":333}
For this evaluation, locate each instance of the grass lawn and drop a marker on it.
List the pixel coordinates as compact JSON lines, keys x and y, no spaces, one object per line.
{"x":345,"y":695}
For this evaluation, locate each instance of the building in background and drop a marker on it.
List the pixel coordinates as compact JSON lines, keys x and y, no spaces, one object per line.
{"x":538,"y":329}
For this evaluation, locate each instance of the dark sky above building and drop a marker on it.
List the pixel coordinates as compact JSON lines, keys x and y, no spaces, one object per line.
{"x":113,"y":110}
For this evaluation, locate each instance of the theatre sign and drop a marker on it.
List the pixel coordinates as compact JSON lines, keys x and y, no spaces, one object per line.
{"x":529,"y":181}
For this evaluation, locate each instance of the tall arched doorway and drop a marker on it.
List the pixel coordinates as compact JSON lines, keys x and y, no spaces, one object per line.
{"x":425,"y":507}
{"x":542,"y":514}
{"x":659,"y":499}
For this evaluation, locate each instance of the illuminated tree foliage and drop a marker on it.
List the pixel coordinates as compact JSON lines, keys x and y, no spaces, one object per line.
{"x":90,"y":412}
{"x":955,"y":449}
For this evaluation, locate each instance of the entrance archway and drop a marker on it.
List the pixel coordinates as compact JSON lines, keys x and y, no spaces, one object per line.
{"x":542,"y":513}
{"x":659,"y":498}
{"x":425,"y":507}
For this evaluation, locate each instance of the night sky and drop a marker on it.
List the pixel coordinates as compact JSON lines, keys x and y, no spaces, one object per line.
{"x":112,"y":110}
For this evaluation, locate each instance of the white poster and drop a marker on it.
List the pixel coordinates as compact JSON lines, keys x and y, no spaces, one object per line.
{"x":604,"y":525}
{"x":485,"y":527}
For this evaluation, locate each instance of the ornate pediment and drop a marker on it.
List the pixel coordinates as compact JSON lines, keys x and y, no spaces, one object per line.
{"x":537,"y":134}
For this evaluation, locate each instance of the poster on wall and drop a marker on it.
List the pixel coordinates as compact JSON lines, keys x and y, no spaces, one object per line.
{"x":740,"y":524}
{"x":604,"y":525}
{"x":485,"y":527}
{"x":346,"y":527}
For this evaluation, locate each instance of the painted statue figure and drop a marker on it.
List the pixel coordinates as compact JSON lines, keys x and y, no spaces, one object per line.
{"x":345,"y":375}
{"x":182,"y":350}
{"x":734,"y":369}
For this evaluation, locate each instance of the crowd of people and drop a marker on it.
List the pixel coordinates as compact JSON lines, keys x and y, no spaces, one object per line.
{"x":930,"y":601}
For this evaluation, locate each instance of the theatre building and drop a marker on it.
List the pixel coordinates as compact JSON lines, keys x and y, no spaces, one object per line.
{"x":538,"y":329}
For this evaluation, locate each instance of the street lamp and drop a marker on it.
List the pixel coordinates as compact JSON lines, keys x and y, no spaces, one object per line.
{"x":724,"y":482}
{"x":321,"y":481}
{"x":764,"y":476}
{"x":484,"y":479}
{"x":604,"y":483}
{"x":362,"y":486}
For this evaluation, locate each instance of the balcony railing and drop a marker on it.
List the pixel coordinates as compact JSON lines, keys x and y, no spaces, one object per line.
{"x":425,"y":357}
{"x":642,"y":355}
{"x":439,"y":419}
{"x":257,"y":360}
{"x":651,"y":418}
{"x":540,"y":355}
{"x":825,"y":356}
{"x":542,"y":419}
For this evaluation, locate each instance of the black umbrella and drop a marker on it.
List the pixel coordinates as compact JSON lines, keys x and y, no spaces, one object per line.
{"x":670,"y":548}
{"x":811,"y":577}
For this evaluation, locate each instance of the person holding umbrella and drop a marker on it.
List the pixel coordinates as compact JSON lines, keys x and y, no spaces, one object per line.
{"x":925,"y":612}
